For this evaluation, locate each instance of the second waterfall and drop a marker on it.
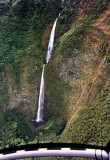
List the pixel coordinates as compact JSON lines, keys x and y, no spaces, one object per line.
{"x":39,"y":117}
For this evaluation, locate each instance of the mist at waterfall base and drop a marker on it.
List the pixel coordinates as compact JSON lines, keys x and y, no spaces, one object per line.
{"x":39,"y":118}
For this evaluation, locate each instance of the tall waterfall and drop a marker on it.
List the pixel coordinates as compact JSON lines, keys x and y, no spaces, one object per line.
{"x":41,"y":98}
{"x":51,"y":41}
{"x":41,"y":93}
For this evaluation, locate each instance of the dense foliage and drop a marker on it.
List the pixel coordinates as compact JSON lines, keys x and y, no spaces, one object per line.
{"x":74,"y":38}
{"x":22,"y":27}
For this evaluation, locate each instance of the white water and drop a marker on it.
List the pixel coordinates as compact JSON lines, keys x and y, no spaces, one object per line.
{"x":51,"y":42}
{"x":41,"y":93}
{"x":41,"y":98}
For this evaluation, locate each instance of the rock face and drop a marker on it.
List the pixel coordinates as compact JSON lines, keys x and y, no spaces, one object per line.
{"x":77,"y":82}
{"x":83,"y":65}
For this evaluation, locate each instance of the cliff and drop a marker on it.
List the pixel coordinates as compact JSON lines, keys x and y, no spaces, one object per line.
{"x":77,"y":78}
{"x":79,"y":73}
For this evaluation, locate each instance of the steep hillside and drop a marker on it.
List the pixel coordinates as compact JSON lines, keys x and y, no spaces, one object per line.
{"x":88,"y":75}
{"x":22,"y":54}
{"x":79,"y":74}
{"x":87,"y":70}
{"x":77,"y":78}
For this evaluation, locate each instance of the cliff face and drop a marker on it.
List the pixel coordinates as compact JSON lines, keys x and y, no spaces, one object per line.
{"x":81,"y":63}
{"x":22,"y":26}
{"x":77,"y":78}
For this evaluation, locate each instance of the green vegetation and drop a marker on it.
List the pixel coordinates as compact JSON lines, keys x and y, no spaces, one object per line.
{"x":21,"y":26}
{"x":68,"y":14}
{"x":92,"y":123}
{"x":69,"y":45}
{"x":54,"y":91}
{"x":50,"y":124}
{"x":14,"y":128}
{"x":21,"y":35}
{"x":74,"y":38}
{"x":51,"y":130}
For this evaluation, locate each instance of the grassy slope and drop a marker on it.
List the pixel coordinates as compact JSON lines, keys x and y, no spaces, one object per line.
{"x":89,"y":120}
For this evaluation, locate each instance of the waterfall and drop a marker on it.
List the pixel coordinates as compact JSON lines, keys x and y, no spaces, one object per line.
{"x":41,"y":98}
{"x":51,"y":42}
{"x":41,"y":93}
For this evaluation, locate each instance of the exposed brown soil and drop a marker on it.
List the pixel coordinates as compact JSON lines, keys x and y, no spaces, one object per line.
{"x":82,"y":6}
{"x":101,"y":29}
{"x":91,"y":66}
{"x":45,"y":36}
{"x":10,"y":81}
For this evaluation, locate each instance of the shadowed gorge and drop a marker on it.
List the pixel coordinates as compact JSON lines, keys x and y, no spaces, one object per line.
{"x":77,"y":78}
